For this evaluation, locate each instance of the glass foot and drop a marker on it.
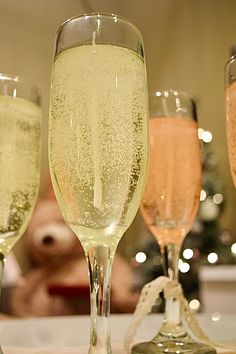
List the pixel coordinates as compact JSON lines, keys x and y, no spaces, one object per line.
{"x":178,"y":346}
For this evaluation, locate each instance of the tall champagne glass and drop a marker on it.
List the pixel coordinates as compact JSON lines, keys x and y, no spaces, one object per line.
{"x":170,"y":203}
{"x":20,"y":122}
{"x":98,"y":143}
{"x":231,"y":114}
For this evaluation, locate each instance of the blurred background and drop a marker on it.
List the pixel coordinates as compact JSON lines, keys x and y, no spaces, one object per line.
{"x":187,"y":44}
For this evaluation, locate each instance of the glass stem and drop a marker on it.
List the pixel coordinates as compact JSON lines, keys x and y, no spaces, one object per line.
{"x":99,"y":263}
{"x":172,"y":326}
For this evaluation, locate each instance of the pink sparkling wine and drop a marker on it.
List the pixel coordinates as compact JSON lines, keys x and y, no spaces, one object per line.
{"x":231,"y":127}
{"x":171,"y":198}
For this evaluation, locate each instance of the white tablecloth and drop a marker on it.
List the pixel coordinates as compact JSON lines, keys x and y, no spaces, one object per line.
{"x":69,"y":333}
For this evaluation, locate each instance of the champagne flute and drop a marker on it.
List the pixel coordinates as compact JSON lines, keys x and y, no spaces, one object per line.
{"x":170,"y":203}
{"x":230,"y":76}
{"x":20,"y":134}
{"x":98,"y":143}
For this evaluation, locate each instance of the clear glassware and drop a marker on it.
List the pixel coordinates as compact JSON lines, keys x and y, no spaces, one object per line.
{"x":170,"y":204}
{"x":98,"y":143}
{"x":20,"y":151}
{"x":230,"y":103}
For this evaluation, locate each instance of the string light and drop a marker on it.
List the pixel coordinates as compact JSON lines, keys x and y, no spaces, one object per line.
{"x":166,"y":94}
{"x":140,"y":257}
{"x":188,"y":253}
{"x":194,"y":304}
{"x":212,"y":257}
{"x":233,"y":248}
{"x":184,"y":267}
{"x":205,"y":135}
{"x":218,"y":198}
{"x":200,"y":132}
{"x":203,"y":195}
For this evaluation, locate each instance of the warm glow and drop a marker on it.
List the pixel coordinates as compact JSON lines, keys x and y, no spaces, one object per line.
{"x":203,"y":195}
{"x":184,"y":267}
{"x":166,"y":94}
{"x":194,"y":304}
{"x":212,"y":257}
{"x":188,"y":253}
{"x":206,"y":136}
{"x":200,"y":132}
{"x":233,"y":248}
{"x":218,"y":198}
{"x":140,"y":257}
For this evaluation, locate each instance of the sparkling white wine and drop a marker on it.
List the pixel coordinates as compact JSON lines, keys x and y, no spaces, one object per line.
{"x":171,"y":197}
{"x":20,"y":165}
{"x":98,"y":139}
{"x":231,"y":127}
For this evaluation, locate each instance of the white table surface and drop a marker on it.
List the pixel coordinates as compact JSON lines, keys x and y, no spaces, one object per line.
{"x":74,"y":331}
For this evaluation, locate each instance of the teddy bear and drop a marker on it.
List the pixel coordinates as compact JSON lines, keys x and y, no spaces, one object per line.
{"x":57,"y":283}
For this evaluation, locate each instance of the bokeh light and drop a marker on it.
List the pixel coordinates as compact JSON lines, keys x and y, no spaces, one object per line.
{"x":212,"y":257}
{"x":188,"y":253}
{"x":194,"y":304}
{"x":140,"y":257}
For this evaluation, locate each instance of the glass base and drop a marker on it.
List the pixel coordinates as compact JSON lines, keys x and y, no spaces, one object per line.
{"x":178,"y":346}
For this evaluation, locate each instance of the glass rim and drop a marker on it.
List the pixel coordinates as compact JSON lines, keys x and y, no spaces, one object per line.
{"x":99,"y":14}
{"x":19,"y":79}
{"x":10,"y":77}
{"x":230,"y":60}
{"x":173,"y":94}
